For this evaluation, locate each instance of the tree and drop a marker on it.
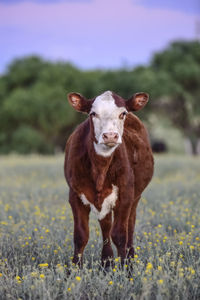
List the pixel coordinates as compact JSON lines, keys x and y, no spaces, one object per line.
{"x":33,"y":105}
{"x":179,"y":95}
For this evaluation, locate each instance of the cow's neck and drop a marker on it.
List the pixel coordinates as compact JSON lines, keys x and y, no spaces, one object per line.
{"x":99,"y":167}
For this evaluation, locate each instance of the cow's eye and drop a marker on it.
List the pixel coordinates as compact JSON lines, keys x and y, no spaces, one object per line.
{"x":93,"y":114}
{"x":122,"y":115}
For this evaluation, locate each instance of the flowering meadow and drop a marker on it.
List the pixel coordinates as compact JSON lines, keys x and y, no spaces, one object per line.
{"x":36,"y":236}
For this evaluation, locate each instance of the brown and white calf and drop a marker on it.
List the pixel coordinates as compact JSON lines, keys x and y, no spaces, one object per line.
{"x":108,"y":164}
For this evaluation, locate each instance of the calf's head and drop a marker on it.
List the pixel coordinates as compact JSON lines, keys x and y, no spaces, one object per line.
{"x":107,"y":115}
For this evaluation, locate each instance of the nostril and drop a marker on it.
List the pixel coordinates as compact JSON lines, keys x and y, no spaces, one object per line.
{"x":105,"y":137}
{"x":116,"y":136}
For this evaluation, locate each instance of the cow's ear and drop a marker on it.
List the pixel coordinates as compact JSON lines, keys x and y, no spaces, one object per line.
{"x":137,"y":101}
{"x":79,"y":103}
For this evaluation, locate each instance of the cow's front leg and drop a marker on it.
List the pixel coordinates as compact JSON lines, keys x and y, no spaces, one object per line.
{"x":120,"y":228}
{"x":81,"y":227}
{"x":131,"y":227}
{"x":107,"y":252}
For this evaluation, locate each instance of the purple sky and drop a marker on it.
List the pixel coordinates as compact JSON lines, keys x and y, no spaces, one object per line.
{"x":94,"y":33}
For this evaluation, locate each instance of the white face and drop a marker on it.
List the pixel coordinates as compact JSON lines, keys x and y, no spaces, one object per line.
{"x":108,"y":118}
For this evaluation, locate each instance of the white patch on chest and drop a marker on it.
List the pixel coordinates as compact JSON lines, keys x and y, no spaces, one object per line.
{"x":108,"y":203}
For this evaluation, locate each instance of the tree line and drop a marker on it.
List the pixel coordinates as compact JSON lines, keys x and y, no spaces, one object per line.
{"x":36,"y":117}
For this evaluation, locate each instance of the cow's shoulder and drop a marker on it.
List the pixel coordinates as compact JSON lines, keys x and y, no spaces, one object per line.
{"x":135,"y":134}
{"x":80,"y":133}
{"x":133,"y":123}
{"x":76,"y":156}
{"x":139,"y":151}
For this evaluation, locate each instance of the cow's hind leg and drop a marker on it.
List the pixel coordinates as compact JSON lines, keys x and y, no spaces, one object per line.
{"x":81,"y":226}
{"x":131,"y":227}
{"x":107,"y":252}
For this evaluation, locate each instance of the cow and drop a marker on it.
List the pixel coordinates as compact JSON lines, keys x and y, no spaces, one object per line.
{"x":108,"y":164}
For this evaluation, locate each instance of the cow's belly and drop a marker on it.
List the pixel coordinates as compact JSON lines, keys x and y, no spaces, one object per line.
{"x":107,"y":205}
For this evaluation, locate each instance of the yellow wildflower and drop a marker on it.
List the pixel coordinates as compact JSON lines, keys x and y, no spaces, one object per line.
{"x":160,"y":281}
{"x":110,"y":282}
{"x":192,"y":271}
{"x":43,"y":265}
{"x":172,"y":263}
{"x":78,"y":278}
{"x":18,"y":278}
{"x":149,"y":266}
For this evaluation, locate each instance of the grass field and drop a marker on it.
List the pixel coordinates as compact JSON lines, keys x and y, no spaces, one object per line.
{"x":36,"y":236}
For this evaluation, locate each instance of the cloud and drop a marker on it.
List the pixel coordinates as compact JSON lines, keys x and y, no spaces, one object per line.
{"x":192,"y":6}
{"x":97,"y":33}
{"x":10,"y":2}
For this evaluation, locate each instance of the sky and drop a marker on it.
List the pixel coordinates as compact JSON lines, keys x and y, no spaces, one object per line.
{"x":94,"y":33}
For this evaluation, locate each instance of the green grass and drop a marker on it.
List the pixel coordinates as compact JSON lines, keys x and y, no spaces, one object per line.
{"x":36,"y":236}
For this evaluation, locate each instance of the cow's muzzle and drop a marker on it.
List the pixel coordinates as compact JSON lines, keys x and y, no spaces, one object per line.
{"x":110,"y":138}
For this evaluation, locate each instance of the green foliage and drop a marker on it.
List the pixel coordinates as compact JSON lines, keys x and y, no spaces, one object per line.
{"x":33,"y":95}
{"x":24,"y":72}
{"x":181,"y":63}
{"x":26,"y":139}
{"x":36,"y":231}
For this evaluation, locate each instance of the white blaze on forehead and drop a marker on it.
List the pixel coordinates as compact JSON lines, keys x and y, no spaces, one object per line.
{"x":106,"y":120}
{"x":108,"y":203}
{"x":105,"y":104}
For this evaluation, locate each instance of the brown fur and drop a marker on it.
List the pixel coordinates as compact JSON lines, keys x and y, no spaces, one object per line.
{"x":130,"y":168}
